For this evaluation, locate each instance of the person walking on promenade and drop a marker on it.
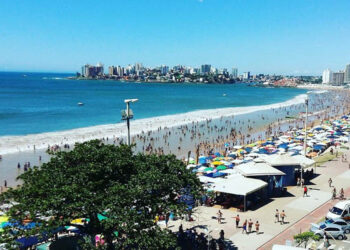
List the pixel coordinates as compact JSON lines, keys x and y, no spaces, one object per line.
{"x":334,"y":193}
{"x":341,"y":194}
{"x":330,"y":182}
{"x":244,"y":227}
{"x":5,"y":183}
{"x":237,"y":220}
{"x":250,"y":225}
{"x":305,"y":191}
{"x":257,"y":225}
{"x":219,"y":214}
{"x":283,"y":215}
{"x":277,"y":216}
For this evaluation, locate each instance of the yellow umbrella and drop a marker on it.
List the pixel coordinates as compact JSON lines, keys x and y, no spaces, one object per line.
{"x":216,"y":163}
{"x":78,"y":221}
{"x":4,"y":219}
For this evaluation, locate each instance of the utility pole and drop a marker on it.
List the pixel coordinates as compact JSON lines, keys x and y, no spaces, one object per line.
{"x":305,"y":138}
{"x":127,"y":115}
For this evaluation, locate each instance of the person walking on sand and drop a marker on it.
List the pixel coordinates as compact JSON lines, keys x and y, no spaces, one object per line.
{"x":330,"y":182}
{"x":277,"y":216}
{"x":283,"y":215}
{"x":244,"y":227}
{"x":219,"y":214}
{"x":237,"y":220}
{"x":257,"y":225}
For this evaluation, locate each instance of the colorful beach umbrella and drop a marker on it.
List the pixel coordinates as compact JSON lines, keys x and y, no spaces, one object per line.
{"x":208,"y":169}
{"x":221,"y":167}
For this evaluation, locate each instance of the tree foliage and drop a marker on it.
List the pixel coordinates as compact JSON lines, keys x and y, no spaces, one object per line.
{"x":305,"y":237}
{"x":130,"y":189}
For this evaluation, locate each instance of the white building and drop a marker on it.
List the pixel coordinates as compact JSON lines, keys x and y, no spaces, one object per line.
{"x":347,"y":74}
{"x":327,"y":76}
{"x":246,"y":75}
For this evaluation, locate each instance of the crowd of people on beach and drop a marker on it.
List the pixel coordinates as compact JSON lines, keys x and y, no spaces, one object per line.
{"x":219,"y":135}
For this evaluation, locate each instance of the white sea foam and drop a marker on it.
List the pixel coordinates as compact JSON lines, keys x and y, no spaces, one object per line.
{"x":12,"y":144}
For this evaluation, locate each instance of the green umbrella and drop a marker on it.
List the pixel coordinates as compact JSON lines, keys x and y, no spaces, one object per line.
{"x":208,"y":169}
{"x":221,"y":167}
{"x":101,"y":217}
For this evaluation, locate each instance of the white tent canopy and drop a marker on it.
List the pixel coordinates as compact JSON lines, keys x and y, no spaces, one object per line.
{"x":257,"y":169}
{"x":206,"y":179}
{"x":288,"y":160}
{"x":239,"y":185}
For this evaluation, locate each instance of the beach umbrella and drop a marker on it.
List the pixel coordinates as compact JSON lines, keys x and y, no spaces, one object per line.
{"x":221,"y":167}
{"x":208,"y":169}
{"x":237,"y":147}
{"x":191,"y":166}
{"x":216,"y":163}
{"x":79,"y":221}
{"x":4,"y":219}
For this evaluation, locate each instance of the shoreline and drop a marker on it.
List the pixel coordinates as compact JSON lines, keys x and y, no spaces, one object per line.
{"x":208,"y":130}
{"x":20,"y":143}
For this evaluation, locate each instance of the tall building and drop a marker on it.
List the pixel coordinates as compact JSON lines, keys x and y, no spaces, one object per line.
{"x":338,"y":78}
{"x":99,"y":69}
{"x":246,"y":75}
{"x":327,"y":76}
{"x":120,"y":71}
{"x":347,"y":74}
{"x":234,"y":72}
{"x":205,"y":68}
{"x":164,"y":69}
{"x":92,"y":71}
{"x":112,"y":71}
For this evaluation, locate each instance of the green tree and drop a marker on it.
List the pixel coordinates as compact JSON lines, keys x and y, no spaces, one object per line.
{"x":305,"y":237}
{"x":94,"y":178}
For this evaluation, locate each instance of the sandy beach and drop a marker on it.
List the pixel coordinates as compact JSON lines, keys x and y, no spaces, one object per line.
{"x":177,"y":134}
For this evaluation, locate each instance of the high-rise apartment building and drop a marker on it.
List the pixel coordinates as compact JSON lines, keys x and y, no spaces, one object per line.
{"x":246,"y":75}
{"x":338,"y":78}
{"x":234,"y":72}
{"x":164,"y":69}
{"x":327,"y":76}
{"x":92,"y":71}
{"x":347,"y":74}
{"x":205,"y":68}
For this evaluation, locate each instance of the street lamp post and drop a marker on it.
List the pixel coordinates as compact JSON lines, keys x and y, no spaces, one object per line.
{"x":305,"y":138}
{"x":127,"y":115}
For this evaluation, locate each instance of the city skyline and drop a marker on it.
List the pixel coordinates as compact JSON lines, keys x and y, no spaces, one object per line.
{"x":271,"y":37}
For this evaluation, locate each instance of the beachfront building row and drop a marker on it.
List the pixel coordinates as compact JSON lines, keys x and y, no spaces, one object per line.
{"x":336,"y":78}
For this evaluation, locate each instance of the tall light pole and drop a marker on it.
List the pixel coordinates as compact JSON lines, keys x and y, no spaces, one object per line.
{"x":127,"y":115}
{"x":305,"y":138}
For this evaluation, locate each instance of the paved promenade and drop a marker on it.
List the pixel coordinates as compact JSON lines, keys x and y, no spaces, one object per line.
{"x":300,"y":211}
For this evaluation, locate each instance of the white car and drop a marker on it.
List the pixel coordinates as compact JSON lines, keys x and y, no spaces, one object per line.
{"x":333,"y":230}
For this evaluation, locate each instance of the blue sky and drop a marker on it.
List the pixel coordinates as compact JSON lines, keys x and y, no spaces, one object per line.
{"x":263,"y":36}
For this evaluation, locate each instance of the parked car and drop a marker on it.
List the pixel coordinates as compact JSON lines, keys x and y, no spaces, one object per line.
{"x":344,"y":225}
{"x":341,"y":210}
{"x":333,"y":230}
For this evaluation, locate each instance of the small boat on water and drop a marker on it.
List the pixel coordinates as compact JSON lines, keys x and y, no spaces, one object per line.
{"x":223,"y":94}
{"x":80,"y":104}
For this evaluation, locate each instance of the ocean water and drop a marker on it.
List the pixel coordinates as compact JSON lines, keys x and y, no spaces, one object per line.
{"x":45,"y":102}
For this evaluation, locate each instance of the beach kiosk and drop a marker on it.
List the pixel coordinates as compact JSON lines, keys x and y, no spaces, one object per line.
{"x":239,"y":185}
{"x":264,"y":172}
{"x":288,"y":164}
